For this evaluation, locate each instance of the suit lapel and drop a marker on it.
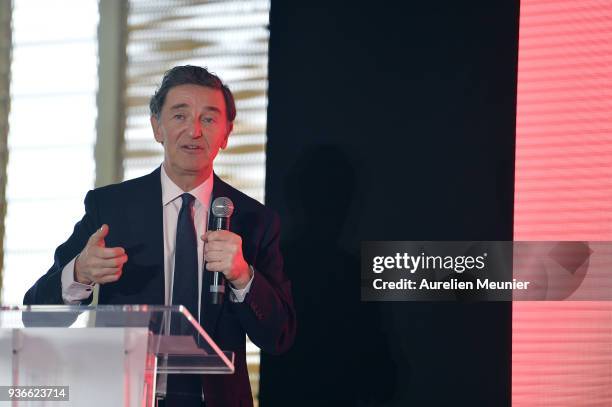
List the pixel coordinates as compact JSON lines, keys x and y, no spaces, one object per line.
{"x":136,"y":224}
{"x":148,"y":219}
{"x":156,"y":213}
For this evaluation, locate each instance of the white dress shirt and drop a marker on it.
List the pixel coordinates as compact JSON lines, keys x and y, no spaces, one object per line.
{"x":74,"y":292}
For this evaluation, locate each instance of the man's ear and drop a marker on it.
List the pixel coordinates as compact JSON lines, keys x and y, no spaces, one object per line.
{"x":230,"y":127}
{"x":156,"y":131}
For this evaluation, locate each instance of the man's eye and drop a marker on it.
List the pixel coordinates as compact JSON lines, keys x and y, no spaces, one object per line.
{"x":208,"y":119}
{"x":179,"y":116}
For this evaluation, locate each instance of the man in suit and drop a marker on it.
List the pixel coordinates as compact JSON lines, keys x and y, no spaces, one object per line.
{"x":137,"y":241}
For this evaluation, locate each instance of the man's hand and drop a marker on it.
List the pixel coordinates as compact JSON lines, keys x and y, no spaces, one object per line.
{"x":98,"y":263}
{"x":223,"y":253}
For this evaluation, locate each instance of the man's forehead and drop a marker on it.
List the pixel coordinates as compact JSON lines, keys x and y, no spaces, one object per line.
{"x":186,"y":96}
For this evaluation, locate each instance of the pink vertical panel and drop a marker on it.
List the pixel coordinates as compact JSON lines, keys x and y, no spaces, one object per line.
{"x":562,"y":351}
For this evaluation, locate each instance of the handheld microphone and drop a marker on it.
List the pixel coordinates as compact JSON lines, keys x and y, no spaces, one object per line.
{"x":222,"y":209}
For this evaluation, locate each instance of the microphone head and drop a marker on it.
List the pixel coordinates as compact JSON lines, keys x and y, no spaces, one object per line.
{"x":222,"y":207}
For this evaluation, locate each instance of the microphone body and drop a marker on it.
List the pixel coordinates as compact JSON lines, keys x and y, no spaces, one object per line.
{"x":222,"y":209}
{"x":221,"y":223}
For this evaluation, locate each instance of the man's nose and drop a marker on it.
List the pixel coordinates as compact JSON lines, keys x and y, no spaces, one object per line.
{"x":196,"y":129}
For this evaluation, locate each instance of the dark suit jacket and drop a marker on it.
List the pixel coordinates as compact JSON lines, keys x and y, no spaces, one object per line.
{"x":133,"y":211}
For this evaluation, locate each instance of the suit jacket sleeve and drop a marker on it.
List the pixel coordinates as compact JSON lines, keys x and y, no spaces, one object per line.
{"x":267,"y":313}
{"x":48,"y":288}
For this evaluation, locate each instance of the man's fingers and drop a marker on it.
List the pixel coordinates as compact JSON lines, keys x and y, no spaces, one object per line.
{"x":215,"y":256}
{"x":99,"y":263}
{"x":217,"y":235}
{"x":216,"y":246}
{"x":108,"y":252}
{"x":110,"y":278}
{"x":106,"y":274}
{"x":106,"y":271}
{"x":97,"y":238}
{"x":215,"y":266}
{"x":111,"y":262}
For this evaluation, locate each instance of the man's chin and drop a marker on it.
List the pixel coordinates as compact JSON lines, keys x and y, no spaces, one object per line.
{"x":197,"y":171}
{"x":192,"y":170}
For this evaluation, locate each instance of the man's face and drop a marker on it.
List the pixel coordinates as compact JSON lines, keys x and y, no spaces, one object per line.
{"x":192,"y":127}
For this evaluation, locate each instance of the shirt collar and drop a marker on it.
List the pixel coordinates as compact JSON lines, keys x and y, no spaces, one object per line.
{"x":171,"y":191}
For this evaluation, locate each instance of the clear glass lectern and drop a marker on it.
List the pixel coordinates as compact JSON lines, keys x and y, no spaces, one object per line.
{"x":107,"y":355}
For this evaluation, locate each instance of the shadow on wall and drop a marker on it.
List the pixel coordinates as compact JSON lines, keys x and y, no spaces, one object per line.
{"x":340,"y":349}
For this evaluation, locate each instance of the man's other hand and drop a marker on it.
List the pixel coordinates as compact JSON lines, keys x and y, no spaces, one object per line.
{"x":98,"y":263}
{"x":223,"y":253}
